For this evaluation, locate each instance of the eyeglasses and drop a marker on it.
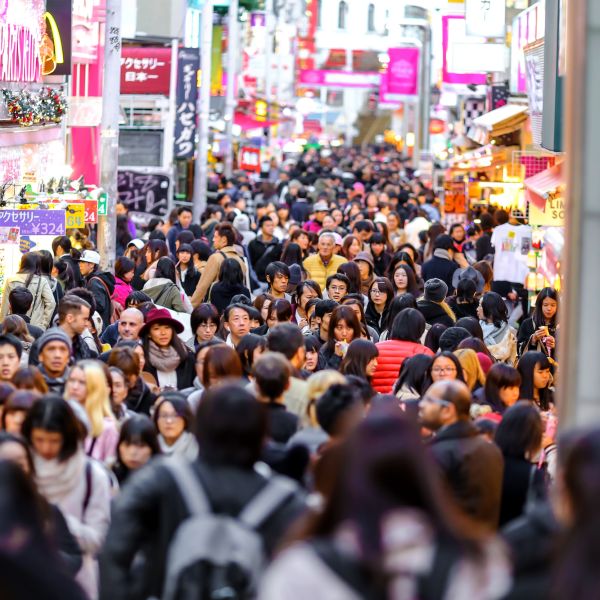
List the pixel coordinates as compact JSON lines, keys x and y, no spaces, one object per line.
{"x":337,"y":288}
{"x":443,"y":370}
{"x":377,"y":292}
{"x":169,"y":417}
{"x":207,"y":326}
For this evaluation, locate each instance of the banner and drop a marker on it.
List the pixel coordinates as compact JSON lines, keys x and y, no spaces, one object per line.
{"x":249,"y":159}
{"x":403,"y":71}
{"x":486,"y":18}
{"x":188,"y":63}
{"x":338,"y":79}
{"x":145,"y":70}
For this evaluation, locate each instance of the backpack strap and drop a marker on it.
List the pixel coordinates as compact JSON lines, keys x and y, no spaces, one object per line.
{"x":189,"y":486}
{"x":163,"y":292}
{"x":266,"y":501}
{"x":102,"y":282}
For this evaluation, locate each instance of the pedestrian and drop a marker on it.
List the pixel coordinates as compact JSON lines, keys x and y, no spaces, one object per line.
{"x":66,"y":477}
{"x":173,"y":420}
{"x":230,"y":284}
{"x":324,"y":262}
{"x":536,"y":380}
{"x":361,"y":359}
{"x":164,"y":289}
{"x":30,"y":276}
{"x":204,"y":322}
{"x":404,"y":280}
{"x":124,"y":273}
{"x":380,"y":294}
{"x":433,"y":304}
{"x":498,"y":335}
{"x":100,"y":283}
{"x":539,"y":331}
{"x":168,"y":359}
{"x":404,"y":341}
{"x":343,"y":328}
{"x":502,"y":388}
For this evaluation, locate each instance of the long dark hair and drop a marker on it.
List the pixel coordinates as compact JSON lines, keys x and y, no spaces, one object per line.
{"x":413,"y":374}
{"x":526,"y":367}
{"x":398,"y":304}
{"x":538,"y":315}
{"x":30,"y":265}
{"x":65,"y":275}
{"x":385,"y":285}
{"x":381,"y":467}
{"x":230,"y":272}
{"x":360,"y":353}
{"x":494,"y":308}
{"x":409,"y":325}
{"x":158,"y":249}
{"x":500,"y":376}
{"x":292,"y":254}
{"x":245,"y":349}
{"x":176,"y":343}
{"x":352,"y":272}
{"x":166,"y":269}
{"x":411,"y":283}
{"x":519,"y":434}
{"x":342,"y":313}
{"x":402,"y":257}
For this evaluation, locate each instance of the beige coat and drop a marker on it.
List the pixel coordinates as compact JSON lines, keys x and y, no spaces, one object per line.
{"x":44,"y":303}
{"x":210,"y":274}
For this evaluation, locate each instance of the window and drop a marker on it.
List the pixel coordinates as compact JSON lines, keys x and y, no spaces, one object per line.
{"x":342,"y":15}
{"x":371,"y":18}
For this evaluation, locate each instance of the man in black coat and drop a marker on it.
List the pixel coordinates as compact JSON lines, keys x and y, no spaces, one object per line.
{"x":100,"y":283}
{"x":471,"y":466}
{"x":265,"y":249}
{"x":231,"y":428}
{"x":441,"y":265}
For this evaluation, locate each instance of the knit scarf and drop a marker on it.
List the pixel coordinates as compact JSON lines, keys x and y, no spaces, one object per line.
{"x":163,"y":359}
{"x":441,"y":253}
{"x":186,"y":446}
{"x":57,"y":479}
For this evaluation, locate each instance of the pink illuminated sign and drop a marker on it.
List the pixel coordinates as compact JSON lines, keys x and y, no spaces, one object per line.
{"x":339,"y":79}
{"x":403,"y":71}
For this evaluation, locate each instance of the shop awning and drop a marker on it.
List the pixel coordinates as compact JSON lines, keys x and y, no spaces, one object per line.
{"x":545,"y":184}
{"x":501,"y":121}
{"x":248,"y":122}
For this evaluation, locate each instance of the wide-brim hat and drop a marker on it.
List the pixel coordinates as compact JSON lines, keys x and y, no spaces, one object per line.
{"x":160,"y":315}
{"x":469,"y":273}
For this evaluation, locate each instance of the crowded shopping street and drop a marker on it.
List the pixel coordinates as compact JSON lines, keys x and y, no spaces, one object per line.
{"x":293,"y":304}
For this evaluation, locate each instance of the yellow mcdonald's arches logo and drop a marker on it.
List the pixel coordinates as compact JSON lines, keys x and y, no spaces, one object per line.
{"x":51,"y":48}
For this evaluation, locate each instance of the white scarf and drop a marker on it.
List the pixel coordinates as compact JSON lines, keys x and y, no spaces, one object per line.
{"x":186,"y":446}
{"x":56,"y":479}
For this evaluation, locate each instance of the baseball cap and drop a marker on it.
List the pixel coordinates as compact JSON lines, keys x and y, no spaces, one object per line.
{"x":90,"y":256}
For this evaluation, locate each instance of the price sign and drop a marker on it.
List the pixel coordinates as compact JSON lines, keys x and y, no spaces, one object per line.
{"x":91,"y":211}
{"x":75,"y":216}
{"x":250,"y":159}
{"x":103,"y":205}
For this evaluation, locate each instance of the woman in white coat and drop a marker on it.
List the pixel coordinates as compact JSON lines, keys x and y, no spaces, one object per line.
{"x":30,"y":276}
{"x":79,"y":486}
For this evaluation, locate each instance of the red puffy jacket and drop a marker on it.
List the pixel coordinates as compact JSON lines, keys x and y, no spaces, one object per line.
{"x":391,"y":356}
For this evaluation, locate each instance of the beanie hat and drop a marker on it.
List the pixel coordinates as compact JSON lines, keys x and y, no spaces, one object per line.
{"x":435,"y":290}
{"x":56,"y":334}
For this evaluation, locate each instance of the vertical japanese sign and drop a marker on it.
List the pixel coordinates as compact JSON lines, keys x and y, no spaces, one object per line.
{"x":188,"y":63}
{"x":403,"y":71}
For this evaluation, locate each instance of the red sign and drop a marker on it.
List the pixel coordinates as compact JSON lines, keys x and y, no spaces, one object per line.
{"x":145,"y":70}
{"x":250,"y":159}
{"x":437,"y":126}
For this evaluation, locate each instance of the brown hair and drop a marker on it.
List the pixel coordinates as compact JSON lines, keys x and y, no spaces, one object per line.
{"x":30,"y":378}
{"x":220,"y":361}
{"x":126,"y":359}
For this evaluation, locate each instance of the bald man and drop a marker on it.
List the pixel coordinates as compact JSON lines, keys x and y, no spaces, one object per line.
{"x":472,"y":467}
{"x":130,"y":323}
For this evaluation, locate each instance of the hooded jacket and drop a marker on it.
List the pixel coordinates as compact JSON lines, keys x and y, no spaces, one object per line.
{"x":102,"y":285}
{"x":434,"y":313}
{"x":262,"y":254}
{"x":43,"y":304}
{"x":165,"y":293}
{"x":121,"y":291}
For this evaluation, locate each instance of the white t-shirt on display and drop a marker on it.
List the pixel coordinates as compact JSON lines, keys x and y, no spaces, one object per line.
{"x":512,"y":244}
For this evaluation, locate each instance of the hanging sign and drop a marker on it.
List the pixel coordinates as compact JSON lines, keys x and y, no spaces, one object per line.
{"x":75,"y":216}
{"x":403,"y":71}
{"x":250,"y":159}
{"x":188,"y":63}
{"x":143,"y":192}
{"x":486,"y":18}
{"x":145,"y":70}
{"x":35,"y":222}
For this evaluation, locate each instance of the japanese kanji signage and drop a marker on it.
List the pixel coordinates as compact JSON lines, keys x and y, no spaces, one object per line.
{"x":188,"y":64}
{"x":35,"y":222}
{"x":250,"y":159}
{"x":146,"y":194}
{"x":145,"y":70}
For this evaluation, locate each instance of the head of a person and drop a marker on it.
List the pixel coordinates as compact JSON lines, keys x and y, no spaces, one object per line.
{"x":444,"y":403}
{"x":89,"y":262}
{"x":502,"y":386}
{"x":339,"y":409}
{"x":61,"y":245}
{"x":435,"y":290}
{"x":352,"y":271}
{"x":184,"y":216}
{"x":30,"y":378}
{"x":311,"y":348}
{"x":224,"y":235}
{"x":414,"y":374}
{"x":344,"y":326}
{"x":277,"y":275}
{"x":172,"y":416}
{"x":124,"y":269}
{"x":11,"y":350}
{"x":471,"y":368}
{"x":20,"y":300}
{"x":287,"y":339}
{"x":381,"y":293}
{"x":432,"y":339}
{"x":307,"y":290}
{"x":363,"y":230}
{"x":14,"y":449}
{"x":128,"y":360}
{"x":546,"y":307}
{"x":465,"y":290}
{"x":272,"y":372}
{"x":501,"y":217}
{"x":452,"y":337}
{"x":119,"y":388}
{"x":73,"y":314}
{"x":138,"y":442}
{"x":251,"y":346}
{"x":408,"y":325}
{"x":184,"y":254}
{"x":351,"y":247}
{"x":492,"y":309}
{"x":220,"y":362}
{"x":204,"y":321}
{"x":472,"y":325}
{"x":54,"y":347}
{"x":536,"y":377}
{"x":52,"y":429}
{"x":131,"y":321}
{"x":405,"y":256}
{"x":457,"y":233}
{"x":377,"y":243}
{"x":444,"y":242}
{"x":519,"y":434}
{"x":360,"y":359}
{"x":326,"y":245}
{"x":231,"y":427}
{"x":404,"y":279}
{"x":322,"y":315}
{"x":162,"y":330}
{"x":16,"y":408}
{"x":445,"y":367}
{"x":365,"y":264}
{"x":485,"y":268}
{"x":237,"y":321}
{"x":165,"y":269}
{"x":338,"y":286}
{"x":280,"y":311}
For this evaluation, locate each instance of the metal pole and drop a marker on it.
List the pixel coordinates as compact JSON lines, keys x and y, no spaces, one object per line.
{"x":347,"y":107}
{"x":109,"y":132}
{"x":270,"y":34}
{"x":279,"y":36}
{"x":201,"y":165}
{"x":426,"y":91}
{"x":230,"y":100}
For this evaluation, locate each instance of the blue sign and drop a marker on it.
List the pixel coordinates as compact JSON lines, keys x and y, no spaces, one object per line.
{"x":35,"y":222}
{"x":188,"y":63}
{"x":26,"y":244}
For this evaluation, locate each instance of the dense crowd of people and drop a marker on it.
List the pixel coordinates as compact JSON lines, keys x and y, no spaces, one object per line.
{"x":324,"y":389}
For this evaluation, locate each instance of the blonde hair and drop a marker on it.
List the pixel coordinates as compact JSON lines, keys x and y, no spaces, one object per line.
{"x":97,"y":398}
{"x":317,"y":385}
{"x":445,"y":307}
{"x":472,"y":371}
